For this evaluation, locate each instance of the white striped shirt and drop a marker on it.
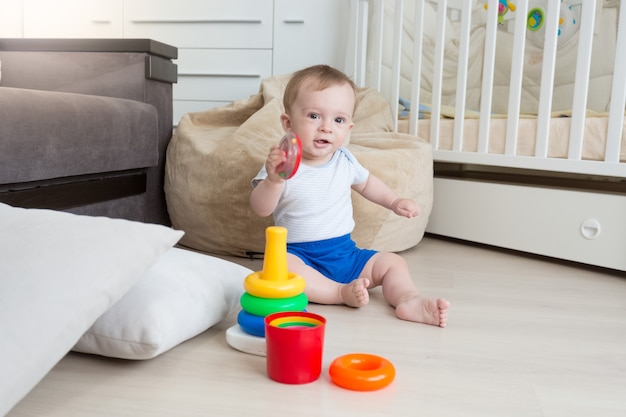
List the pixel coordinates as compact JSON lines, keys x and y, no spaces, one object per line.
{"x":316,"y":203}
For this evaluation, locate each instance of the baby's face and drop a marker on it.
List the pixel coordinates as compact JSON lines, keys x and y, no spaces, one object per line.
{"x":323,"y":120}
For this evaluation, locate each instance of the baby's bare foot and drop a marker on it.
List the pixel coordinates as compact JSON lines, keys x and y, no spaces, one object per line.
{"x":355,"y":294}
{"x":424,"y":310}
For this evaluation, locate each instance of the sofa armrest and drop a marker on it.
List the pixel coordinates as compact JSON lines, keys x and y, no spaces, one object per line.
{"x":106,"y":67}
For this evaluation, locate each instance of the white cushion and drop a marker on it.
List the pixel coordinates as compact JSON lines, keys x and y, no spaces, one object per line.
{"x":182,"y":295}
{"x":58,"y":273}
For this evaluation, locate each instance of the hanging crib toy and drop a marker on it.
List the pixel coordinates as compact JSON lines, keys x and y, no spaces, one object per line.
{"x":536,"y":19}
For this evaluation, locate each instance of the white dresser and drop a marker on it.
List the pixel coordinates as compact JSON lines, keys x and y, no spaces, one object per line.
{"x":226,"y":47}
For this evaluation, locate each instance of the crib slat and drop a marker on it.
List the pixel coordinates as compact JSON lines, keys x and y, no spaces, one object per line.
{"x":394,"y":91}
{"x":487,"y":80}
{"x":547,"y":79}
{"x":378,"y":16}
{"x":515,"y":87}
{"x":618,"y":94}
{"x":352,"y":66}
{"x":581,"y":82}
{"x":435,"y":122}
{"x":364,"y":12}
{"x":416,"y":73}
{"x":461,"y":77}
{"x":358,"y":24}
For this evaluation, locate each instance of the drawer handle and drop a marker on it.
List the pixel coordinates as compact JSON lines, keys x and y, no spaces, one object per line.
{"x":294,"y":21}
{"x":218,"y":74}
{"x":101,"y":21}
{"x":244,"y":21}
{"x":590,"y":229}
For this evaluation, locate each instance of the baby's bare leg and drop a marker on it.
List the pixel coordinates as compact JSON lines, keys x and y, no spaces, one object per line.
{"x":391,"y":271}
{"x":323,"y":290}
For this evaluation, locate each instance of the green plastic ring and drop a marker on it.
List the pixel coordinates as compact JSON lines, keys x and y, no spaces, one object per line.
{"x":266,"y":306}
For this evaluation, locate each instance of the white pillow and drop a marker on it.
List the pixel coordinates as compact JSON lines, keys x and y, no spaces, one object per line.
{"x":58,"y":273}
{"x":181,"y":296}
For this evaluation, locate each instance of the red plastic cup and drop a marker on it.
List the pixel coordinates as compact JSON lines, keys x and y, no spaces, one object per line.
{"x":295,"y":341}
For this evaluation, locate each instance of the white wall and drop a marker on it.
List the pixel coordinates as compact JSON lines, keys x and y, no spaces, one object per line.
{"x":11,"y":21}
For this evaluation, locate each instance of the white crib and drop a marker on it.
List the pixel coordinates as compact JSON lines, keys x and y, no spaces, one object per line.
{"x":527,"y":127}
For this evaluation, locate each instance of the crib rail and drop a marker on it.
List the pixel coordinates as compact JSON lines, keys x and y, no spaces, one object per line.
{"x":370,"y":20}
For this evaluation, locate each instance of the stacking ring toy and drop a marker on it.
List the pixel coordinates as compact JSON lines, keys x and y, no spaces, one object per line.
{"x":292,"y":146}
{"x":265,"y":288}
{"x":361,"y":372}
{"x":294,"y":320}
{"x":245,"y":342}
{"x":251,"y":324}
{"x":266,"y":306}
{"x":255,"y":325}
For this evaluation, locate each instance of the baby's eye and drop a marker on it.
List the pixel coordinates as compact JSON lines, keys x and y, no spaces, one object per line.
{"x":314,"y":116}
{"x":340,"y":120}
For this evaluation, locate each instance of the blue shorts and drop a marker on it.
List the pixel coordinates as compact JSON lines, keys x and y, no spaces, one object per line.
{"x":338,"y":258}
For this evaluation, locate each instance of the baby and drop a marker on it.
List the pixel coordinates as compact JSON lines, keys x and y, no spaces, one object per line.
{"x":315,"y":205}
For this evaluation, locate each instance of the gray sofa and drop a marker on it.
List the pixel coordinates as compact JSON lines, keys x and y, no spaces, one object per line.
{"x":84,"y":125}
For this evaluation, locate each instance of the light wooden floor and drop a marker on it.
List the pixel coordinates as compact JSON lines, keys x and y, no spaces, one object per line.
{"x":526,"y":337}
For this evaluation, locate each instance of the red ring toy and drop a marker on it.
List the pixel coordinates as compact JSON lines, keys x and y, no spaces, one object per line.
{"x":362,"y":372}
{"x":292,"y":146}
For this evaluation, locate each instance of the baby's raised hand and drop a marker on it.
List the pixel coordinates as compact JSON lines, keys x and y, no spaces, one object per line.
{"x":405,"y":207}
{"x":274,"y":159}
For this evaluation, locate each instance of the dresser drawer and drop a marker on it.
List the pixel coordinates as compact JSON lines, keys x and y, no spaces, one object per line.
{"x":298,"y":40}
{"x":220,"y":74}
{"x":72,"y":19}
{"x":201,"y":23}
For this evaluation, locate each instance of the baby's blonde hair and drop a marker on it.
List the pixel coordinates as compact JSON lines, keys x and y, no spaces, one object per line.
{"x":317,"y":77}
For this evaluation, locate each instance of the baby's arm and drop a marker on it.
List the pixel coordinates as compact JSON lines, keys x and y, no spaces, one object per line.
{"x":378,"y":192}
{"x":265,"y":195}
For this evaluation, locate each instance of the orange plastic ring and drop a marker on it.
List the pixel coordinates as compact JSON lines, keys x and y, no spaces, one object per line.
{"x":362,"y":372}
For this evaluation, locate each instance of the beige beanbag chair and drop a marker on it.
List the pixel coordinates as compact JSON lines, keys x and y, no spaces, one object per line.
{"x":213,"y":156}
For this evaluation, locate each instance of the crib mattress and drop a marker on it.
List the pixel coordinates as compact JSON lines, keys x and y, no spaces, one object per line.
{"x":593,"y":145}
